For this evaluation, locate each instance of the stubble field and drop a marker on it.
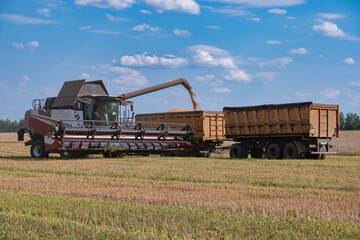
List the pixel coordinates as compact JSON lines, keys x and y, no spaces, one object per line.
{"x":177,"y":198}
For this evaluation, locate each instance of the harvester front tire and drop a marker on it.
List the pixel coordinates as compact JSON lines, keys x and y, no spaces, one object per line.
{"x":37,"y":149}
{"x":239,"y":151}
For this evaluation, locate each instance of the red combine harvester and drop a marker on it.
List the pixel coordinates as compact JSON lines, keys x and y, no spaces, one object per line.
{"x":85,"y":119}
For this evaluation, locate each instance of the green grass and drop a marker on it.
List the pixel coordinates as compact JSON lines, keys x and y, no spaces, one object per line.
{"x":39,"y":216}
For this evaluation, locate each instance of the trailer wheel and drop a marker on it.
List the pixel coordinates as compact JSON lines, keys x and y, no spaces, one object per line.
{"x":106,"y":154}
{"x":291,"y":151}
{"x":274,"y":151}
{"x":256,"y":152}
{"x":317,"y":156}
{"x":239,"y":151}
{"x":37,"y":149}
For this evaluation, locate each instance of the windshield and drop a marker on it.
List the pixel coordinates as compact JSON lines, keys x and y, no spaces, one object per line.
{"x":102,"y":110}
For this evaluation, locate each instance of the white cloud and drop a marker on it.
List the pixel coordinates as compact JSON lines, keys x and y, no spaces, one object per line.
{"x":331,"y":15}
{"x":330,"y":93}
{"x":21,"y":19}
{"x":43,"y":11}
{"x":265,"y":3}
{"x":144,"y":27}
{"x":212,"y":27}
{"x":85,"y":76}
{"x":231,"y":11}
{"x":206,"y":78}
{"x":221,"y":90}
{"x":355,"y":84}
{"x":269,"y":76}
{"x":217,"y":52}
{"x":24,"y":81}
{"x":85,"y":28}
{"x":203,"y":57}
{"x":277,"y":11}
{"x":237,"y":75}
{"x":124,"y":76}
{"x":332,"y":30}
{"x":273,"y":42}
{"x":349,"y":61}
{"x":182,"y":33}
{"x":18,"y":46}
{"x":146,"y":59}
{"x":300,"y":51}
{"x":30,"y":45}
{"x":97,"y":31}
{"x":255,"y":19}
{"x":279,"y":63}
{"x":115,"y":19}
{"x":290,"y":18}
{"x":116,"y":4}
{"x":186,"y":6}
{"x":146,"y":12}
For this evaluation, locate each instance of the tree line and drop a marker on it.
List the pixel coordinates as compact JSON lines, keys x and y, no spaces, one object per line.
{"x":11,"y":126}
{"x":349,"y":122}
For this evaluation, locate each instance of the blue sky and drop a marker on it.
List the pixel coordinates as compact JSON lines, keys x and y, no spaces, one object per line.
{"x":233,"y":52}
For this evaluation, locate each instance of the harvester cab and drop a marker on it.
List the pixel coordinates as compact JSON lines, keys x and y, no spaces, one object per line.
{"x":85,"y":118}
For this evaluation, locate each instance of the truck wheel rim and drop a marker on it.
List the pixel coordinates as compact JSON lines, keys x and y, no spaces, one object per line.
{"x":37,"y":151}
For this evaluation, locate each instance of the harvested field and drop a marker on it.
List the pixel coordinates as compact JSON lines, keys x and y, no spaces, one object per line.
{"x":348,"y":142}
{"x":153,"y":197}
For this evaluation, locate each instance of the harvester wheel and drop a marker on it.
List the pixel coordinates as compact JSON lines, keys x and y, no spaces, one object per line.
{"x":274,"y":151}
{"x":256,"y":152}
{"x":37,"y":149}
{"x":239,"y":151}
{"x":291,"y":151}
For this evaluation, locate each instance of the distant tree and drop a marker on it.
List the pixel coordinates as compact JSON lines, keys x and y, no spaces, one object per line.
{"x":352,"y":121}
{"x":342,"y":121}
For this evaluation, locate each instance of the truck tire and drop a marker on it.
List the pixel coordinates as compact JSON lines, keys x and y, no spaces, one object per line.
{"x":274,"y":151}
{"x":37,"y":149}
{"x":256,"y":152}
{"x":291,"y":151}
{"x":239,"y":151}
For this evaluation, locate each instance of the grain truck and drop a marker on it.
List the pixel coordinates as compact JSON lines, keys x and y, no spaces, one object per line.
{"x":278,"y":131}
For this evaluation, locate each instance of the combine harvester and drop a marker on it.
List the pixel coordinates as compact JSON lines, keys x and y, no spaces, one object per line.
{"x":85,"y":119}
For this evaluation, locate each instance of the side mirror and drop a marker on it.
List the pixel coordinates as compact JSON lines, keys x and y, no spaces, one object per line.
{"x":132,"y":107}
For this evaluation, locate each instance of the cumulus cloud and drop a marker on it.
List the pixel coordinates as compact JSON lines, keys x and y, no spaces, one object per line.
{"x":30,"y":45}
{"x":206,"y":55}
{"x":237,"y":75}
{"x":330,"y":29}
{"x":255,"y":19}
{"x":221,"y":90}
{"x":115,"y":19}
{"x":349,"y":61}
{"x":331,"y":15}
{"x":116,"y":4}
{"x":24,"y":82}
{"x":21,"y":19}
{"x":148,"y":60}
{"x":299,"y":51}
{"x":182,"y":33}
{"x":43,"y":11}
{"x":265,"y":3}
{"x":231,"y":11}
{"x":123,"y":76}
{"x":146,"y":27}
{"x":277,"y":11}
{"x":206,"y":78}
{"x":146,"y":12}
{"x":330,"y":93}
{"x":273,"y":42}
{"x":279,"y":63}
{"x":186,"y":6}
{"x":268,"y":76}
